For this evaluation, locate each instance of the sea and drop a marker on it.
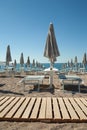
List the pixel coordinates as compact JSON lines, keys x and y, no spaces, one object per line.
{"x":58,"y":66}
{"x":61,"y":66}
{"x":47,"y":65}
{"x":44,"y":65}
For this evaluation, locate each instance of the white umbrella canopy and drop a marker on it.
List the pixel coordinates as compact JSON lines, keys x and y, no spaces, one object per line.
{"x":8,"y":55}
{"x":51,"y":50}
{"x":48,"y":69}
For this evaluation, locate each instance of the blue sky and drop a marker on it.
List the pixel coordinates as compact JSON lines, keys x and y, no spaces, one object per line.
{"x":24,"y":26}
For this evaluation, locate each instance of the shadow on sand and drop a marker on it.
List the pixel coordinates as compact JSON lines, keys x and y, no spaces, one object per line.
{"x":2,"y":85}
{"x":74,"y":88}
{"x":43,"y":88}
{"x":10,"y":92}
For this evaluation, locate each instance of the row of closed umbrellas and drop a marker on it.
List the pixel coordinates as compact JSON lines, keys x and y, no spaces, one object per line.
{"x":51,"y":51}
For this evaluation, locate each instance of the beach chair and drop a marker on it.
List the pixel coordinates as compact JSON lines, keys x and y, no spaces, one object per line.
{"x":33,"y":79}
{"x":17,"y":72}
{"x":70,"y":80}
{"x":2,"y":72}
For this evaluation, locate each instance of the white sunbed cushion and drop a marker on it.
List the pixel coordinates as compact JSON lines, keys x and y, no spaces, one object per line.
{"x":34,"y":77}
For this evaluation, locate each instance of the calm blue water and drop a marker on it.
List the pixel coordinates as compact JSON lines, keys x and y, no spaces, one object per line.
{"x":46,"y":65}
{"x":56,"y":65}
{"x":59,"y":66}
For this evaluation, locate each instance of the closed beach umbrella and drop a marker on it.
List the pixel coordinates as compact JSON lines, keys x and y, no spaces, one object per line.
{"x":37,"y":64}
{"x":51,"y":50}
{"x":64,"y":66}
{"x":33,"y":64}
{"x":28,"y":61}
{"x":71,"y":64}
{"x":21,"y":59}
{"x":8,"y":55}
{"x":68,"y":64}
{"x":76,"y":62}
{"x":15,"y":63}
{"x":84,"y":60}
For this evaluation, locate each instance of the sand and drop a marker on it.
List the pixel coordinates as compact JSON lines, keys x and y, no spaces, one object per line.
{"x":10,"y":86}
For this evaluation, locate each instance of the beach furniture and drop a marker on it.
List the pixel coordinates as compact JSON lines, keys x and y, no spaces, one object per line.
{"x":2,"y":72}
{"x":33,"y":79}
{"x":27,"y":72}
{"x":33,"y":71}
{"x":70,"y":79}
{"x":17,"y":72}
{"x":9,"y":70}
{"x":82,"y":70}
{"x":49,"y":72}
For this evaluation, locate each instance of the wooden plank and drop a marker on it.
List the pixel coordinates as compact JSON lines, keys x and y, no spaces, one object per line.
{"x":48,"y":108}
{"x":85,"y":98}
{"x":35,"y":109}
{"x":77,"y":109}
{"x":22,"y":108}
{"x":63,"y":109}
{"x":83,"y":101}
{"x":42,"y":113}
{"x":56,"y":110}
{"x":28,"y":109}
{"x":1,"y":98}
{"x":4,"y":100}
{"x":70,"y":109}
{"x":6,"y":103}
{"x":82,"y":106}
{"x":15,"y":108}
{"x":5,"y":111}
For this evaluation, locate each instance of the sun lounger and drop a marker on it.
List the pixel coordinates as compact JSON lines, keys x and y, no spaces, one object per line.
{"x":70,"y":79}
{"x":34,"y":79}
{"x":2,"y":72}
{"x":17,"y":72}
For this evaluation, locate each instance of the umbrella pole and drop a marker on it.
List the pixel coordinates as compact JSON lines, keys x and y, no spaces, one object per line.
{"x":51,"y":75}
{"x":7,"y":70}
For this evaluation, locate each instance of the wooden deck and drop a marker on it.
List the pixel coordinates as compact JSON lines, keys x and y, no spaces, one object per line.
{"x":47,"y":109}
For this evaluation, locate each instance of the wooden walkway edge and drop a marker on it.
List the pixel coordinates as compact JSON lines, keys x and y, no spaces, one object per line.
{"x":44,"y":109}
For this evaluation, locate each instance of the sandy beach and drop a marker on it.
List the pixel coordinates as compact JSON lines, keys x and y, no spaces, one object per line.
{"x":43,"y":37}
{"x":10,"y":86}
